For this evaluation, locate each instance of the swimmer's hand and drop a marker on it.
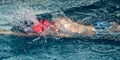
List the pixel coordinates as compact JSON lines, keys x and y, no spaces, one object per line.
{"x":115,"y":27}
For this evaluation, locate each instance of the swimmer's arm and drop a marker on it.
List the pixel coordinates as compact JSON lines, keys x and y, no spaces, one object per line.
{"x":11,"y":32}
{"x":34,"y":34}
{"x":6,"y":32}
{"x":115,"y":27}
{"x":17,"y":33}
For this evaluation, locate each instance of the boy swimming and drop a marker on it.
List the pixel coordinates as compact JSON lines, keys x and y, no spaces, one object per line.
{"x":60,"y":26}
{"x":57,"y":27}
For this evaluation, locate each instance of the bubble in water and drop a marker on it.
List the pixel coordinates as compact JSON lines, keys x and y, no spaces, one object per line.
{"x":25,"y":15}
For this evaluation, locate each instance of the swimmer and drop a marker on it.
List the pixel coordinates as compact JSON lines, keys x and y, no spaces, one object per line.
{"x":63,"y":27}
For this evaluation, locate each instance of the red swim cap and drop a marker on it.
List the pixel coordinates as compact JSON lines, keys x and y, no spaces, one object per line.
{"x":42,"y":26}
{"x":46,"y":24}
{"x":37,"y":28}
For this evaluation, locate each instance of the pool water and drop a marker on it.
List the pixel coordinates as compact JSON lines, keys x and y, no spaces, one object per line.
{"x":97,"y":47}
{"x":22,"y":48}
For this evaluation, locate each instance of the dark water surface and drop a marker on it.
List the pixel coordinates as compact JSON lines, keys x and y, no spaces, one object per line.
{"x":55,"y":48}
{"x":22,"y":48}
